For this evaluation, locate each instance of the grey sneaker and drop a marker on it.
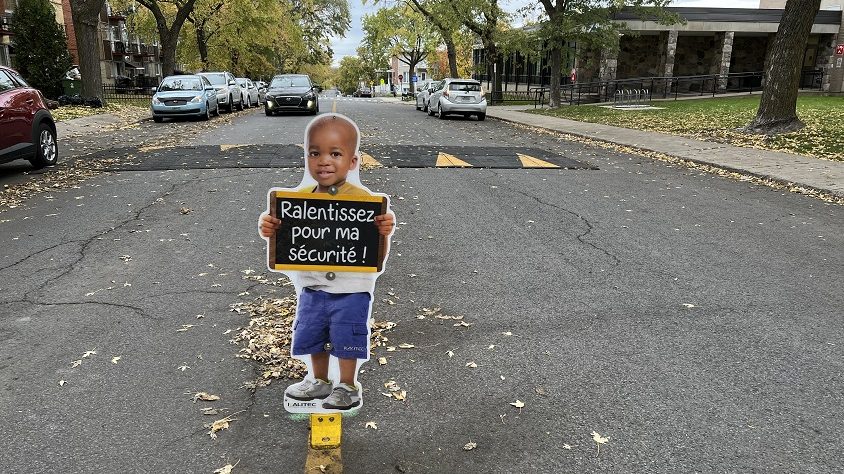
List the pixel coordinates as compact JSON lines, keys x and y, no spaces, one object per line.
{"x":342,"y":398}
{"x":307,"y":390}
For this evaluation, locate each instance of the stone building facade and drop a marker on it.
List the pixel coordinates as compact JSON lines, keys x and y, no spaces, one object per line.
{"x":730,"y":43}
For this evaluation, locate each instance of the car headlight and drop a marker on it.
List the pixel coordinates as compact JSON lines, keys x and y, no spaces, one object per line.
{"x":155,"y":100}
{"x":310,"y":95}
{"x":196,"y":99}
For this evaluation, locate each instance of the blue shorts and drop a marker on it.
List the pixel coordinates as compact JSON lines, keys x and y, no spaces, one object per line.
{"x":336,"y":323}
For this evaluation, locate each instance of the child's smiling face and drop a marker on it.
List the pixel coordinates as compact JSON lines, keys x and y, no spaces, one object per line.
{"x":331,"y":152}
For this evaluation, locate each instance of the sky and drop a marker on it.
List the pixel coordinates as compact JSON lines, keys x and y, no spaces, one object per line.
{"x":347,"y":46}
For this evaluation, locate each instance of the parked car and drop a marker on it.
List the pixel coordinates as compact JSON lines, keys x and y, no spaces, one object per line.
{"x":184,"y":96}
{"x":228,"y":92}
{"x":362,"y":92}
{"x":262,"y":91}
{"x":249,"y":91}
{"x":28,"y":129}
{"x":292,"y":92}
{"x":458,"y":96}
{"x":423,"y":93}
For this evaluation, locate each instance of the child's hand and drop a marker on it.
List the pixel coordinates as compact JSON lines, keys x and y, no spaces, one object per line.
{"x":267,"y":225}
{"x":385,"y":223}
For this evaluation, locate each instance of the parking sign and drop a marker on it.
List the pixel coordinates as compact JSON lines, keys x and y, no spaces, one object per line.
{"x":413,"y":78}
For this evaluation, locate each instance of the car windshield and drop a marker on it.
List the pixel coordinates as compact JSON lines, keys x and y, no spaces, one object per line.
{"x":464,"y":87}
{"x":291,"y":81}
{"x":180,"y":84}
{"x":216,"y":79}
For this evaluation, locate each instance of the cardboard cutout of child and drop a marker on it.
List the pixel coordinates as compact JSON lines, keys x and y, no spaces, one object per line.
{"x":331,"y":329}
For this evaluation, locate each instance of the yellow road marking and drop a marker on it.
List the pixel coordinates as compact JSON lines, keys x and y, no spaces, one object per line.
{"x":334,"y":105}
{"x":229,"y":147}
{"x":444,"y":160}
{"x":531,"y":162}
{"x":367,"y":161}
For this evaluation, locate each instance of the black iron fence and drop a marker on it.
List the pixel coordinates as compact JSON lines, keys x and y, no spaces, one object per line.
{"x":128,"y":94}
{"x":657,"y":87}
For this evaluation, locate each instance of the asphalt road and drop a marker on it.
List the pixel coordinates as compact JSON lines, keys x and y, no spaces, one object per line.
{"x":692,"y":320}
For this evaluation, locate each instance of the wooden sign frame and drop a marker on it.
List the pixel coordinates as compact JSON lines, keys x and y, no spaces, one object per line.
{"x":382,"y":242}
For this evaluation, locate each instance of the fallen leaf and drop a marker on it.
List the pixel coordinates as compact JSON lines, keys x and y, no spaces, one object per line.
{"x":405,"y":345}
{"x":471,"y":365}
{"x":184,"y":327}
{"x":61,"y":383}
{"x":75,"y":363}
{"x":566,"y":446}
{"x":205,"y":397}
{"x":688,"y":305}
{"x":463,"y":324}
{"x":518,"y":404}
{"x":227,"y":469}
{"x":401,"y":395}
{"x":219,"y":425}
{"x":89,"y":354}
{"x":185,"y":210}
{"x":469,"y":446}
{"x":491,"y":346}
{"x":599,"y":440}
{"x":391,"y":348}
{"x":450,"y":353}
{"x":115,"y":359}
{"x":508,"y":333}
{"x":322,"y":468}
{"x":183,"y":367}
{"x":200,"y":316}
{"x":371,"y":424}
{"x":382,"y":361}
{"x":209,"y":411}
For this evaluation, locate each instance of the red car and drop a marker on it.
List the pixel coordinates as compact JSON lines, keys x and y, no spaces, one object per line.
{"x":27,"y":129}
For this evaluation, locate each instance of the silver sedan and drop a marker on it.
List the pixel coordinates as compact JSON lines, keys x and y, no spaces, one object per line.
{"x":458,"y":96}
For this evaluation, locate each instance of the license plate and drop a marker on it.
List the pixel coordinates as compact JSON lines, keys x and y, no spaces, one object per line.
{"x":466,"y":99}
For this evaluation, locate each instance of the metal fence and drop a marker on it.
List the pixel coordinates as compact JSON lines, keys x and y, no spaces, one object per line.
{"x":128,"y":94}
{"x":656,"y":87}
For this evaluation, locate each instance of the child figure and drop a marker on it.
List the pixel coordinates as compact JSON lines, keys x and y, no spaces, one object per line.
{"x":333,"y":311}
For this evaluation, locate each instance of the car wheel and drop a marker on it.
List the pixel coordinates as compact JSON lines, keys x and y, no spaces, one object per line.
{"x":46,"y":149}
{"x":267,"y":111}
{"x":248,"y":103}
{"x":207,"y":115}
{"x":440,"y":114}
{"x":425,"y":106}
{"x":481,"y":117}
{"x":430,"y":110}
{"x":240,"y":105}
{"x":418,"y":107}
{"x":157,"y":119}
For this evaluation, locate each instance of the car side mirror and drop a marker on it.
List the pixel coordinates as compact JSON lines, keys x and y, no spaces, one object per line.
{"x":317,"y":87}
{"x":209,"y":88}
{"x":232,"y":83}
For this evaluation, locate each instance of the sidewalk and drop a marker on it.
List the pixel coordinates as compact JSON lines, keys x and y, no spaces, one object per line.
{"x":786,"y":168}
{"x":97,"y":123}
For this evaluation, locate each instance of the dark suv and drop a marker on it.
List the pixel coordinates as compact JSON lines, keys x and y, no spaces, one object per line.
{"x":292,"y":92}
{"x":27,"y":129}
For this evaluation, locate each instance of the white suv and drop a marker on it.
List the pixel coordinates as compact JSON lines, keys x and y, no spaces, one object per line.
{"x":229,"y":96}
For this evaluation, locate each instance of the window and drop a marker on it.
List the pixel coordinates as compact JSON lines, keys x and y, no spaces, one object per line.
{"x":290,"y":81}
{"x":216,"y":79}
{"x":17,"y":77}
{"x":423,"y":76}
{"x":4,"y":56}
{"x":464,"y":87}
{"x":180,"y":84}
{"x":6,"y":82}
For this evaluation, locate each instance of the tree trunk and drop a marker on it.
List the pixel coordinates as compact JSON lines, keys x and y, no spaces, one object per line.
{"x":202,"y":45}
{"x":85,"y":21}
{"x":451,"y":51}
{"x":411,"y":71}
{"x":556,"y":61}
{"x":778,"y":107}
{"x":168,"y":51}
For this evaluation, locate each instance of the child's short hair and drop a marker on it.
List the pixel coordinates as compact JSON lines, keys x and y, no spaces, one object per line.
{"x":332,"y":119}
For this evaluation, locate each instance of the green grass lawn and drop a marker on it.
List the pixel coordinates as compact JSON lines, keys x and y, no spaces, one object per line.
{"x":718,"y":120}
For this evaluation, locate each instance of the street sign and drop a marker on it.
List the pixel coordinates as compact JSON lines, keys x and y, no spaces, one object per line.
{"x":839,"y":49}
{"x":413,"y":78}
{"x":321,"y":232}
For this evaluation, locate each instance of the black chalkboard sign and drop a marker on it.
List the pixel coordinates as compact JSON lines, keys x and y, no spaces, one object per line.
{"x":321,"y":232}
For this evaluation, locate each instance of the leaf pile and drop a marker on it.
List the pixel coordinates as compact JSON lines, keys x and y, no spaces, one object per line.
{"x":267,"y":337}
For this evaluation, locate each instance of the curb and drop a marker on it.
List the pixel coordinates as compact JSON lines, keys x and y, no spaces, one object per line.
{"x":776,"y":179}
